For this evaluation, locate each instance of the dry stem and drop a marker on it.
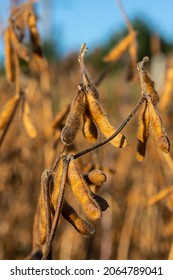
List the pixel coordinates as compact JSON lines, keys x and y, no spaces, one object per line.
{"x":58,"y":209}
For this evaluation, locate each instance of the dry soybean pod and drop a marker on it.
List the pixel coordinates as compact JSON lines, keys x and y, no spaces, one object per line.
{"x":81,"y":225}
{"x":9,"y":60}
{"x":168,"y":87}
{"x":74,"y":119}
{"x":26,"y":118}
{"x":82,"y":192}
{"x":34,"y":34}
{"x":57,"y":182}
{"x":158,"y":129}
{"x":42,"y":230}
{"x":8,"y":110}
{"x":143,"y":132}
{"x":89,"y":128}
{"x":97,"y":177}
{"x":103,"y":123}
{"x":117,"y":52}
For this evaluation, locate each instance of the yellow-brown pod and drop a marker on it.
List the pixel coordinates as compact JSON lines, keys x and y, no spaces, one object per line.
{"x":8,"y":110}
{"x":82,"y":192}
{"x":167,"y":89}
{"x":81,"y":225}
{"x":56,"y":185}
{"x":28,"y":125}
{"x":9,"y":60}
{"x":74,"y":119}
{"x":101,"y":119}
{"x":101,"y":201}
{"x":117,"y":52}
{"x":97,"y":177}
{"x":89,"y":128}
{"x":34,"y":35}
{"x":41,"y":232}
{"x":143,"y":132}
{"x":149,"y":88}
{"x":21,"y":50}
{"x":158,"y":129}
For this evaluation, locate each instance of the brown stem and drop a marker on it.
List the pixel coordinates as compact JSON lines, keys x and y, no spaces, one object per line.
{"x":57,"y":159}
{"x":103,"y":74}
{"x":58,"y":209}
{"x":126,"y":19}
{"x":46,"y":188}
{"x":122,"y":125}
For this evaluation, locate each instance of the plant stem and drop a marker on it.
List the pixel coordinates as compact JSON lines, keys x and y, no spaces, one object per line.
{"x":58,"y":208}
{"x":122,"y":125}
{"x":46,"y":188}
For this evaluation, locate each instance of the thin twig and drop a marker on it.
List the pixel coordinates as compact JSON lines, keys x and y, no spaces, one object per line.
{"x":46,"y":177}
{"x":122,"y":125}
{"x":103,"y":74}
{"x":57,"y":159}
{"x":58,"y":208}
{"x":126,"y":19}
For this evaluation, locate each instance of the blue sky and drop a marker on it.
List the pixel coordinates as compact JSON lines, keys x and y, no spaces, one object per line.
{"x":73,"y":22}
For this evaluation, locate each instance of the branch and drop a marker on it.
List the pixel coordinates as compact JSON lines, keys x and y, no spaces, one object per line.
{"x":58,"y":209}
{"x":122,"y":125}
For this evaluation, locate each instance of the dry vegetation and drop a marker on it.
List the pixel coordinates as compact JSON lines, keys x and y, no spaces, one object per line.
{"x":65,"y":191}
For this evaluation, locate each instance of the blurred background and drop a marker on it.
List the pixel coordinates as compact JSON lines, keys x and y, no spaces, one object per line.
{"x":139,"y":222}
